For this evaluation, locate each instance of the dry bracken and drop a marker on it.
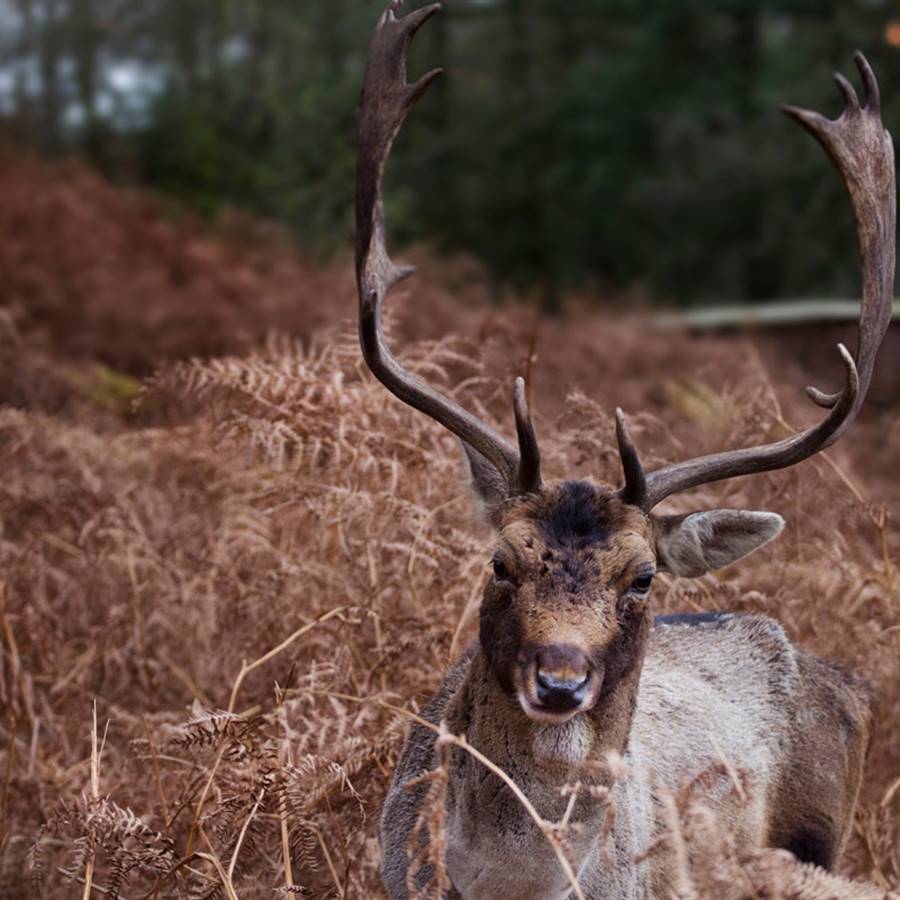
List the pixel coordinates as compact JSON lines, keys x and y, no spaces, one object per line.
{"x":148,"y":558}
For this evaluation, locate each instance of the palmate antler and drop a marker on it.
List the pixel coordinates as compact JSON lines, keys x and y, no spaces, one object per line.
{"x":386,"y":101}
{"x":861,"y":148}
{"x":857,"y":143}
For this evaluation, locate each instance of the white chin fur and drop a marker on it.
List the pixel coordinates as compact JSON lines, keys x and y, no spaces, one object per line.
{"x":568,"y":743}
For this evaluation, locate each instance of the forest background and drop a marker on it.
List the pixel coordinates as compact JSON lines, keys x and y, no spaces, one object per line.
{"x":630,"y":146}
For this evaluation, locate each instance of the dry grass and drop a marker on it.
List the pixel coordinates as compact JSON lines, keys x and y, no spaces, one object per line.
{"x":277,"y":499}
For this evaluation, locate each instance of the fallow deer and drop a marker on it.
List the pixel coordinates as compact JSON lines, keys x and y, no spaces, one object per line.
{"x":569,"y":663}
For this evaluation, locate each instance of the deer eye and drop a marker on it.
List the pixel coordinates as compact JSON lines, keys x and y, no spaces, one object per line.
{"x":642,"y":583}
{"x":501,"y":573}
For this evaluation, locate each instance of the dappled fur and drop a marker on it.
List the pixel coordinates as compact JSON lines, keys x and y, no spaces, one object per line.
{"x":677,"y":697}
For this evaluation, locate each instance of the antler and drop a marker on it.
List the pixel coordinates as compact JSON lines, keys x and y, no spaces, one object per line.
{"x":386,"y":100}
{"x":861,"y":148}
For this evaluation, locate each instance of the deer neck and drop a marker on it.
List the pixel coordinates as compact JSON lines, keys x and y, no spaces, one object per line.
{"x":495,"y":849}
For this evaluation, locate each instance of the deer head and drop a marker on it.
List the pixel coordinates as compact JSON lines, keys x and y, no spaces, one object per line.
{"x":564,"y":616}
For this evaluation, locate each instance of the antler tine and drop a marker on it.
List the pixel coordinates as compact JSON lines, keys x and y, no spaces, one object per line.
{"x":635,"y":489}
{"x":861,"y":149}
{"x":875,"y":218}
{"x":386,"y":100}
{"x":530,"y":462}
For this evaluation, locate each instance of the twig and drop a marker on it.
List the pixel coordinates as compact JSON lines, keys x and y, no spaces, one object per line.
{"x":880,"y":520}
{"x":282,"y":806}
{"x":336,"y":613}
{"x":95,"y":794}
{"x":7,"y":778}
{"x":684,"y":888}
{"x":729,"y":767}
{"x":532,"y":357}
{"x":468,"y":614}
{"x":213,"y":857}
{"x":240,"y":840}
{"x":570,"y":806}
{"x":411,"y":563}
{"x":14,"y":655}
{"x":195,"y":822}
{"x":889,"y":793}
{"x":329,"y":862}
{"x":160,"y":793}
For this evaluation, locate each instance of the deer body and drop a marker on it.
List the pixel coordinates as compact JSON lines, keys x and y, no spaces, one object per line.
{"x":689,"y":693}
{"x":569,"y":670}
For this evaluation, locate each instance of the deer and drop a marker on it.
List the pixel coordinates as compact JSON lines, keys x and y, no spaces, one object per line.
{"x":570,"y":666}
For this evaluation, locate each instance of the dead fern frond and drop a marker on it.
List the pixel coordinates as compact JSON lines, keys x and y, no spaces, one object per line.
{"x":267,"y":481}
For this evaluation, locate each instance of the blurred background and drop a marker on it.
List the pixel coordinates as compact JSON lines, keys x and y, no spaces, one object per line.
{"x":629,"y":147}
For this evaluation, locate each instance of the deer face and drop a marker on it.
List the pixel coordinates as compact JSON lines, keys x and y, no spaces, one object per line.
{"x":563,"y":616}
{"x":572,"y":570}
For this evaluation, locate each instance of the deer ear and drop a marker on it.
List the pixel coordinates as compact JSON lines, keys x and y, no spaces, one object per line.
{"x":488,"y":484}
{"x":701,"y":542}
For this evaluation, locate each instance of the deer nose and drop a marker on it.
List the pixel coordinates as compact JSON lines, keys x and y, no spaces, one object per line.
{"x":562,"y":685}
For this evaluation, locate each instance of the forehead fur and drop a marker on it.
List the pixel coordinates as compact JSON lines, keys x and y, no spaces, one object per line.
{"x":572,"y":515}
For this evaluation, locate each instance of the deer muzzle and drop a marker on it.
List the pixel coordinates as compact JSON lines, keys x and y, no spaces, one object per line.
{"x":558,"y":682}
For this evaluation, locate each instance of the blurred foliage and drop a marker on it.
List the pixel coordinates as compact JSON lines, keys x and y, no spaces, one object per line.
{"x":622,"y":144}
{"x":106,"y":389}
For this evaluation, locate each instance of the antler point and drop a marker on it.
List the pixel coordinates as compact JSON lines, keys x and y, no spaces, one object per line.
{"x":528,"y":477}
{"x":520,"y":400}
{"x":418,"y":17}
{"x":870,"y":82}
{"x":797,"y":113}
{"x":850,"y":366}
{"x":847,"y":90}
{"x":389,"y":13}
{"x":418,"y":88}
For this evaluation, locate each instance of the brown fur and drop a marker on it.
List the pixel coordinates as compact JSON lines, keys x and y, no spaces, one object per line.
{"x":812,"y":805}
{"x":569,"y":554}
{"x":671,"y":698}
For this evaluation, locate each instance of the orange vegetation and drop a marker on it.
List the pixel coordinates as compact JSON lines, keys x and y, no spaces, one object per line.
{"x":253,"y":561}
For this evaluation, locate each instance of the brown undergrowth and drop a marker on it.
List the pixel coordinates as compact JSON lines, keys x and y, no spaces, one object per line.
{"x":262,"y":571}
